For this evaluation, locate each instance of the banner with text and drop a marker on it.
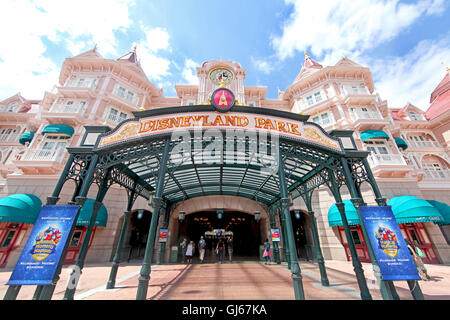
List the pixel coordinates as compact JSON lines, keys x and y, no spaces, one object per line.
{"x":40,"y":256}
{"x":388,"y":244}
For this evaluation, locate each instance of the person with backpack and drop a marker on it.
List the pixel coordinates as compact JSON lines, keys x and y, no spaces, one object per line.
{"x":220,"y":248}
{"x":416,"y":255}
{"x":267,"y":253}
{"x":201,"y":248}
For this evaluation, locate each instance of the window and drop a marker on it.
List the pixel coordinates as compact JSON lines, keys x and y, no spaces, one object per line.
{"x":377,"y":147}
{"x":412,"y":116}
{"x":8,"y":238}
{"x":355,"y":237}
{"x":117,"y":116}
{"x":309,"y":100}
{"x":12,"y":107}
{"x":52,"y":145}
{"x":130,"y":96}
{"x":317,"y":96}
{"x":121,"y":92}
{"x":322,"y":119}
{"x":325,"y":119}
{"x":251,"y":104}
{"x":8,"y":134}
{"x":75,"y":241}
{"x":126,"y":94}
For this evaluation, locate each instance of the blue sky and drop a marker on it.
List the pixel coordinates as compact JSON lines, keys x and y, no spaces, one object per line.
{"x":404,"y":43}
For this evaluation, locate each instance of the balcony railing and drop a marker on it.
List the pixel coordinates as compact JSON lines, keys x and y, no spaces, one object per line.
{"x":423,"y":144}
{"x":386,"y":159}
{"x":436,"y":174}
{"x":64,"y":108}
{"x":12,"y":137}
{"x":85,"y":84}
{"x":44,"y":155}
{"x":360,"y":114}
{"x":131,"y":99}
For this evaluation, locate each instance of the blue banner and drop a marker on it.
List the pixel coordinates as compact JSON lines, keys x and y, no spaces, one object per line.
{"x":388,"y":244}
{"x":40,"y":256}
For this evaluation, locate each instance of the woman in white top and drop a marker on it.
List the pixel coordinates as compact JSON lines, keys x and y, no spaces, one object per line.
{"x":190,"y":251}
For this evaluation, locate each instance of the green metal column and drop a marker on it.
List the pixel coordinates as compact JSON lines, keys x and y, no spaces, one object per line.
{"x":79,"y":264}
{"x":116,"y":260}
{"x":357,"y":267}
{"x":276,"y":250}
{"x":285,"y":203}
{"x":158,"y":203}
{"x":317,"y":249}
{"x":357,"y":201}
{"x":284,"y":238}
{"x":381,"y":202}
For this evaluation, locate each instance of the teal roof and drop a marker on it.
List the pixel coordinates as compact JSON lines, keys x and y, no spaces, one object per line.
{"x":20,"y":208}
{"x":334,"y":217}
{"x":444,"y":210}
{"x":410,"y":209}
{"x":26,"y":137}
{"x":401,"y":143}
{"x":59,"y":128}
{"x":86,"y":212}
{"x":372,"y":134}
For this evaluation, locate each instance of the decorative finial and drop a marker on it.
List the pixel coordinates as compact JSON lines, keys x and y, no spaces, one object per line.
{"x":306,"y":55}
{"x":133,"y":48}
{"x":445,"y":67}
{"x":95,"y":48}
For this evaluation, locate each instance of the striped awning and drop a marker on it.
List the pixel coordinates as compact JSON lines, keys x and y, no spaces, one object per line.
{"x":401,"y":143}
{"x":59,"y":128}
{"x":334,"y":217}
{"x":373,"y":134}
{"x":444,"y":210}
{"x":20,"y":208}
{"x":86,"y":213}
{"x":410,"y":209}
{"x":26,"y":137}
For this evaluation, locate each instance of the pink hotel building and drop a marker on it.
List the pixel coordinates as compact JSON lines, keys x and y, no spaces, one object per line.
{"x":409,"y":155}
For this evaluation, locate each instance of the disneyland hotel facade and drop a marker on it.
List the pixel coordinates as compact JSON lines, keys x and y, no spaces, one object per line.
{"x":409,"y":158}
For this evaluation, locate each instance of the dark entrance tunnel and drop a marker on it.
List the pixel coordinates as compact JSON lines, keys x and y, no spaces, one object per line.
{"x":246,"y":233}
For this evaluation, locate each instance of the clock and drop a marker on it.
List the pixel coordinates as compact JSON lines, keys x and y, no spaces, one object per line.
{"x":221,"y":75}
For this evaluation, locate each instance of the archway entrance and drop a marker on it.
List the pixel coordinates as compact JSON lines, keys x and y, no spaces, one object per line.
{"x":301,"y":228}
{"x":242,"y":226}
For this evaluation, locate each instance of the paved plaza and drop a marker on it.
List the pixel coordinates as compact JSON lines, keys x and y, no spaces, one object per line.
{"x":243,"y":280}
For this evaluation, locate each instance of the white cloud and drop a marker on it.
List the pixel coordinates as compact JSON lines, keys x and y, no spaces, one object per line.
{"x":154,"y":65}
{"x":411,"y":78}
{"x":189,"y":71}
{"x":329,"y":27}
{"x":74,"y":25}
{"x":262,"y":65}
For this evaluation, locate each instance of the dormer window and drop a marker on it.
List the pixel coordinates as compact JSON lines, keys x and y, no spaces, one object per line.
{"x":126,"y":94}
{"x":12,"y":107}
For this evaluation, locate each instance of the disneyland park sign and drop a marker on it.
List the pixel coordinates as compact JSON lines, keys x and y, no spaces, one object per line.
{"x":222,"y":100}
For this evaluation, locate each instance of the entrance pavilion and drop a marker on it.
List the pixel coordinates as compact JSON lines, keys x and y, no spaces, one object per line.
{"x":174,"y":155}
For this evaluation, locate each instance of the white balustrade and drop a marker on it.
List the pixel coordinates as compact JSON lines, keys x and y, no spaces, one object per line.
{"x":423,"y":144}
{"x":11,"y":137}
{"x":386,"y":159}
{"x":360,"y":114}
{"x":90,"y":84}
{"x":436,"y":174}
{"x":44,"y":155}
{"x":78,"y":108}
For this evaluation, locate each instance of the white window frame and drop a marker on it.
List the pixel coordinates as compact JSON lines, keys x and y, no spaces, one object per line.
{"x":116,"y":118}
{"x":378,"y":146}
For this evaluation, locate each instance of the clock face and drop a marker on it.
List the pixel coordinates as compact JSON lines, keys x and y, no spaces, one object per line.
{"x":219,"y":75}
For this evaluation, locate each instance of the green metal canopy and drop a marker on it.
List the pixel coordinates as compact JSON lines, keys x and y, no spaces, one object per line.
{"x":26,"y":137}
{"x":444,"y":210}
{"x":20,"y":208}
{"x":373,"y":134}
{"x":86,"y":212}
{"x":59,"y":128}
{"x":401,"y":143}
{"x":334,"y":217}
{"x":410,"y":209}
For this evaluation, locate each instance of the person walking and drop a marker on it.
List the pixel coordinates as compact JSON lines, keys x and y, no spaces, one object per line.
{"x":190,"y":250}
{"x":220,"y":248}
{"x":201,"y":248}
{"x":183,"y":246}
{"x":267,"y":253}
{"x":230,"y":248}
{"x":415,"y":251}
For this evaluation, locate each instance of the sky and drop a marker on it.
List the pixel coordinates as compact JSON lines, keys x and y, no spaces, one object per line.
{"x":406,"y":44}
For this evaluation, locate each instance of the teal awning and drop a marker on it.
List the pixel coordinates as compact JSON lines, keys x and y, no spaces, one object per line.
{"x":86,"y":212}
{"x":373,"y":134}
{"x":26,"y":137}
{"x":410,"y":209}
{"x":334,"y":217}
{"x":59,"y":128}
{"x":401,"y":143}
{"x":20,"y":208}
{"x":444,"y":210}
